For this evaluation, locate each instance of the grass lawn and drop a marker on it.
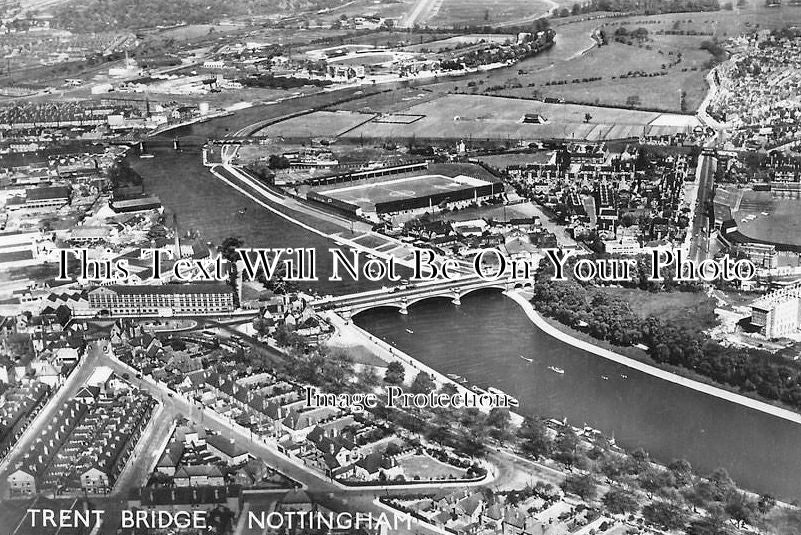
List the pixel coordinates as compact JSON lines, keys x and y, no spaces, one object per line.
{"x":482,"y":12}
{"x":492,"y":117}
{"x":460,"y":40}
{"x":614,"y":60}
{"x":781,"y":225}
{"x":693,"y":311}
{"x":360,"y":355}
{"x":428,"y":468}
{"x":317,"y":124}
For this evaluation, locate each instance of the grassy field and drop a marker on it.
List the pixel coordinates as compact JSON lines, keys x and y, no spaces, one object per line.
{"x":451,"y":42}
{"x":781,"y":225}
{"x":365,"y":59}
{"x":390,"y":101}
{"x":456,"y":13}
{"x":428,"y":468}
{"x":570,"y":59}
{"x":610,"y":63}
{"x":691,"y":310}
{"x":488,"y":117}
{"x":317,"y":124}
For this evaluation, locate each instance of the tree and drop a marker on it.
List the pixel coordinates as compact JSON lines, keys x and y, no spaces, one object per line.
{"x":368,"y":379}
{"x":262,"y":170}
{"x":700,"y":495}
{"x":656,"y":481}
{"x":498,"y":417}
{"x":228,"y":250}
{"x":708,"y":526}
{"x":664,"y":515}
{"x":620,"y":502}
{"x":566,"y":447}
{"x":423,"y":384}
{"x":63,"y":315}
{"x":449,"y":389}
{"x":275,"y":161}
{"x":468,"y":445}
{"x":535,"y":439}
{"x":582,"y":485}
{"x":395,"y":373}
{"x":766,"y":503}
{"x":587,"y":117}
{"x":740,"y":508}
{"x":722,"y":484}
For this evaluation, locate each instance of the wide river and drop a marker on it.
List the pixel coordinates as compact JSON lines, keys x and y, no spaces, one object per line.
{"x":484,"y":338}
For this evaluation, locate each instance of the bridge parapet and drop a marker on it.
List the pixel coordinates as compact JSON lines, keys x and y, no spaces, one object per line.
{"x":349,"y":306}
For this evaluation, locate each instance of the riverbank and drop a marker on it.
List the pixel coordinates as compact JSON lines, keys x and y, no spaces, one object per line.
{"x":739,"y":399}
{"x":348,"y":333}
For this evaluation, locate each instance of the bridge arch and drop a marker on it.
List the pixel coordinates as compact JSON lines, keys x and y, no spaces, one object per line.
{"x":448,"y":297}
{"x":402,"y":305}
{"x":354,"y":311}
{"x":499,"y":286}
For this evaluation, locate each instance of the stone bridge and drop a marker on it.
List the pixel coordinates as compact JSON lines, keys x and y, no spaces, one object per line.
{"x":404,"y":296}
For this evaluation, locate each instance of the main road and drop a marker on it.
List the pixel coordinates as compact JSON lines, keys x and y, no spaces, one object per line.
{"x":700,"y":225}
{"x":507,"y":467}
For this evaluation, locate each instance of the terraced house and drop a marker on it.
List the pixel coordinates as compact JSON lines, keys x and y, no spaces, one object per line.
{"x":86,"y":446}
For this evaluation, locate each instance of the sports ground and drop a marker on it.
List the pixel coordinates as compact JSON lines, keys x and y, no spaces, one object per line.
{"x":459,"y":116}
{"x":366,"y":196}
{"x":762,"y":216}
{"x":478,"y":116}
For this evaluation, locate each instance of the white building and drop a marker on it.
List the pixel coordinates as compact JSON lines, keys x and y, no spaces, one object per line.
{"x":777,"y":314}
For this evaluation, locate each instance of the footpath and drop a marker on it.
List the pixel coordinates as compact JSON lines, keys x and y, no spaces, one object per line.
{"x":698,"y":386}
{"x":355,"y":335}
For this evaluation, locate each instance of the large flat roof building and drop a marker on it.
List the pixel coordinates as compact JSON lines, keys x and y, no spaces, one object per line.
{"x":778,"y":313}
{"x":165,"y":300}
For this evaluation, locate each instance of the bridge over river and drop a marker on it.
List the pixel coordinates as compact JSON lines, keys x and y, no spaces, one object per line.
{"x":404,"y":296}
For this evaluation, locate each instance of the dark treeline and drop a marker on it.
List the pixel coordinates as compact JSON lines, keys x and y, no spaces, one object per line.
{"x":281,"y":82}
{"x":610,"y":318}
{"x":645,"y":7}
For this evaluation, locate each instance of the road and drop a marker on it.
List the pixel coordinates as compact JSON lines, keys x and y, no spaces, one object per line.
{"x":510,"y":471}
{"x":318,"y":486}
{"x":420,"y":7}
{"x":699,"y":244}
{"x":79,"y":376}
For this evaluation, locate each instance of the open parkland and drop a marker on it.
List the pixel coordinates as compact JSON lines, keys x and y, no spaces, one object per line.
{"x":481,"y":117}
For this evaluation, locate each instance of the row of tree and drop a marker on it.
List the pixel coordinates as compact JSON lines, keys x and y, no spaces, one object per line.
{"x":646,"y":7}
{"x":671,"y":495}
{"x":609,"y":318}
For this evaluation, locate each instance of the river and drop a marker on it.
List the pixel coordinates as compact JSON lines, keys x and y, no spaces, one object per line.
{"x":483,"y":340}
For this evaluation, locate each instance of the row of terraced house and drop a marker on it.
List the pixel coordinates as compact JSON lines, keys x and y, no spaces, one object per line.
{"x":87,"y":443}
